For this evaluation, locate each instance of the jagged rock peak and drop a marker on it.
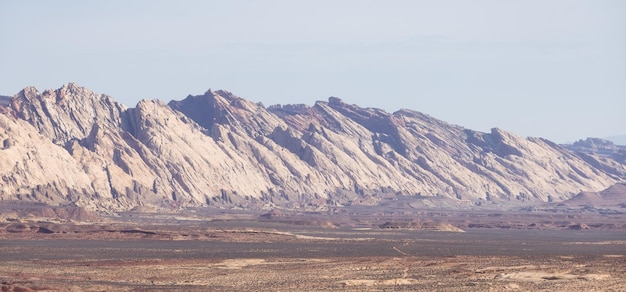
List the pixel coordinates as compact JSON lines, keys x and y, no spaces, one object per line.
{"x":227,"y":94}
{"x":203,"y":109}
{"x":224,"y":108}
{"x":68,"y":112}
{"x":68,"y":90}
{"x":65,"y":92}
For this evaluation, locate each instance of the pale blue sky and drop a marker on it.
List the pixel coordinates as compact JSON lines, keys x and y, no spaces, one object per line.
{"x":553,"y":69}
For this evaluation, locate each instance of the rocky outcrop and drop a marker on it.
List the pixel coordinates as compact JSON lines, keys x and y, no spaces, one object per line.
{"x":591,"y":148}
{"x":217,"y":149}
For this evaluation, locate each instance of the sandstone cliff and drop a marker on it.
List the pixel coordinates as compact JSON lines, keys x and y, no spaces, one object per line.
{"x":217,"y":149}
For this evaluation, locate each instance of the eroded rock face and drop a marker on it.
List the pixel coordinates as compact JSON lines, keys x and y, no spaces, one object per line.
{"x":217,"y":149}
{"x":67,"y":113}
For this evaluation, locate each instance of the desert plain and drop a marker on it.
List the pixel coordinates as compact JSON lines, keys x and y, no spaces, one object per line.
{"x":339,"y":250}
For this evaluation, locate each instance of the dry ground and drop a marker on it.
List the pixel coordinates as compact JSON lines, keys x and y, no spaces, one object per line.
{"x":455,"y":273}
{"x":158,"y":258}
{"x":244,"y":252}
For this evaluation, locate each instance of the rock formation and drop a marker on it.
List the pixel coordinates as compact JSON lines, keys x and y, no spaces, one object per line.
{"x":599,"y":148}
{"x":71,"y":145}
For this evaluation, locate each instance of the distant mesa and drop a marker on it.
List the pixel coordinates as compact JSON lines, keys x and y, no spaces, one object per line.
{"x":599,"y":147}
{"x":595,"y":143}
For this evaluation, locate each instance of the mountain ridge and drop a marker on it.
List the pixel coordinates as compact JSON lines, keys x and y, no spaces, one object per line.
{"x":221,"y":150}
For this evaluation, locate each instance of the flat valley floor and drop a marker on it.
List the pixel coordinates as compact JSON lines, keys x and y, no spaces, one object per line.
{"x":257,"y":255}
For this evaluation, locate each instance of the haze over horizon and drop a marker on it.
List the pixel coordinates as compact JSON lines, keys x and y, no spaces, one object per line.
{"x":552,"y":69}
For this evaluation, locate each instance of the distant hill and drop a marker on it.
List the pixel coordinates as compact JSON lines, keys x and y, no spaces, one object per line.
{"x":614,"y":196}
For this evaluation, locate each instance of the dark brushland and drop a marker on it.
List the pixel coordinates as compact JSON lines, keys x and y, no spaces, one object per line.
{"x":214,"y":192}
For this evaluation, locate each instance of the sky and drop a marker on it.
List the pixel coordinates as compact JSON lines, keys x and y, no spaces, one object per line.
{"x":551,"y":69}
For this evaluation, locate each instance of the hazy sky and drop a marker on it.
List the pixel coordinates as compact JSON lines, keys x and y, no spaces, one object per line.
{"x":553,"y":69}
